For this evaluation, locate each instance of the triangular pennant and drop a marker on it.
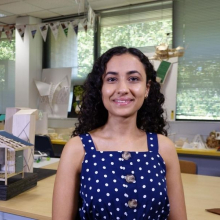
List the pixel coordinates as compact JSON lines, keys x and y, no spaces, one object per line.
{"x":21,"y":30}
{"x":76,"y":29}
{"x":1,"y":30}
{"x":75,"y":25}
{"x":9,"y":31}
{"x":65,"y":27}
{"x":83,"y":22}
{"x":54,"y":26}
{"x":33,"y":29}
{"x":91,"y":17}
{"x":43,"y":30}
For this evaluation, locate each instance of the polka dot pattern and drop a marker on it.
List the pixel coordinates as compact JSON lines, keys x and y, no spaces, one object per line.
{"x":118,"y":185}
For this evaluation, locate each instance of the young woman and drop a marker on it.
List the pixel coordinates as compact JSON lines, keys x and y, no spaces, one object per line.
{"x":120,"y":164}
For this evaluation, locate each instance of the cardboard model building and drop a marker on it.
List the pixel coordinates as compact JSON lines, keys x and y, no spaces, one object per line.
{"x":21,"y":122}
{"x":13,"y":157}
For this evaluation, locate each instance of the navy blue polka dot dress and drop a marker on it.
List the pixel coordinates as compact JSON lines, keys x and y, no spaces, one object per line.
{"x":123,"y":185}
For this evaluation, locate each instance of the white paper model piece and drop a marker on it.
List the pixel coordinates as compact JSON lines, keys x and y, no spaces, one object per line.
{"x":197,"y":143}
{"x":12,"y":156}
{"x":54,"y":91}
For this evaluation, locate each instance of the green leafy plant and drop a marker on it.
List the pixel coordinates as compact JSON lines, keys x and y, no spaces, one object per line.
{"x":78,"y":92}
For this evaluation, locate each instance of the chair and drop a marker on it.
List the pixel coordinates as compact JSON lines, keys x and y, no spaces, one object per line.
{"x":43,"y":144}
{"x":188,"y":167}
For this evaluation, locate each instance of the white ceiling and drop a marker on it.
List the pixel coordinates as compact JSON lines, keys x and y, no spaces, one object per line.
{"x":11,"y":9}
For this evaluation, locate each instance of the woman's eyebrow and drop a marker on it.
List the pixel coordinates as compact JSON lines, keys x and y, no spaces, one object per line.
{"x":116,"y":73}
{"x":110,"y":73}
{"x":133,"y":71}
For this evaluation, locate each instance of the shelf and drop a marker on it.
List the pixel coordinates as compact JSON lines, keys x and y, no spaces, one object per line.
{"x":204,"y":152}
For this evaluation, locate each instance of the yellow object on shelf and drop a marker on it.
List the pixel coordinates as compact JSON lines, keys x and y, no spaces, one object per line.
{"x":204,"y":152}
{"x":59,"y":141}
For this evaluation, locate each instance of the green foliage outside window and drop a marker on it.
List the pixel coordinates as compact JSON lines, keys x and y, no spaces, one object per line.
{"x":131,"y":35}
{"x":137,"y":34}
{"x":7,"y":52}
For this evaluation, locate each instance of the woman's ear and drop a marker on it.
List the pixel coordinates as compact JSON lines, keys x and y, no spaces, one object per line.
{"x":147,"y":88}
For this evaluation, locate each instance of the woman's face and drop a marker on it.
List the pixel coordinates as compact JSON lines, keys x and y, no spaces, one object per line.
{"x":124,"y":85}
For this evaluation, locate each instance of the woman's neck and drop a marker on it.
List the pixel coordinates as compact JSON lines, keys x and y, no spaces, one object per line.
{"x":119,"y":134}
{"x":121,"y":126}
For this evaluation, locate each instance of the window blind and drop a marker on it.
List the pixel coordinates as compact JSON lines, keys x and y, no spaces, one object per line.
{"x":196,"y":26}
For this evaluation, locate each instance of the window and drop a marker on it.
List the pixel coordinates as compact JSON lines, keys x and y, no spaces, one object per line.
{"x":142,"y":26}
{"x":7,"y":74}
{"x":197,"y":28}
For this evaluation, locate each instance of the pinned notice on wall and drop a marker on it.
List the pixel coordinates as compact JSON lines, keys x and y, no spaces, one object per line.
{"x":162,"y":71}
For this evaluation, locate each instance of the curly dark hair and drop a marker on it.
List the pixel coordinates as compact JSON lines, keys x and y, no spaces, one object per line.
{"x":93,"y":114}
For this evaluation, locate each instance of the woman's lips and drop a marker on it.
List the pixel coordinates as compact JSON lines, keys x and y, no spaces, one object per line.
{"x":122,"y":102}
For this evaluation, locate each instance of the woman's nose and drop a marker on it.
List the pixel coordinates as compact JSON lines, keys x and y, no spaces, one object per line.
{"x":122,"y":88}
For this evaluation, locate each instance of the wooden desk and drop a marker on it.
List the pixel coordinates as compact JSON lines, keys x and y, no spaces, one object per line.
{"x":201,"y":192}
{"x":35,"y":203}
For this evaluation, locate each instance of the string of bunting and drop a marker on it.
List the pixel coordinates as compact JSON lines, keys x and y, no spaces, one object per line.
{"x":85,"y":22}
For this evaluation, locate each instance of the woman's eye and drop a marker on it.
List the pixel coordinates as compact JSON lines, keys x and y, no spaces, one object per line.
{"x":133,"y":79}
{"x":111,"y":79}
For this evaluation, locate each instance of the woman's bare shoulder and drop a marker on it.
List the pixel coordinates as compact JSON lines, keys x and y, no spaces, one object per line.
{"x":74,"y":145}
{"x":165,"y":142}
{"x":73,"y":152}
{"x":166,"y":148}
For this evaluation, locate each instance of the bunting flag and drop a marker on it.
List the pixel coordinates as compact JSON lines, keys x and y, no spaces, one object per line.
{"x":43,"y":30}
{"x":21,"y":30}
{"x":1,"y":29}
{"x":83,"y":22}
{"x":54,"y":26}
{"x":91,"y":17}
{"x":75,"y":26}
{"x":86,"y":22}
{"x":9,"y":31}
{"x":33,"y":30}
{"x":65,"y":27}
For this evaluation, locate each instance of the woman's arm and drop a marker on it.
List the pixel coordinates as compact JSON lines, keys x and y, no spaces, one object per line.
{"x":66,"y":187}
{"x":173,"y":177}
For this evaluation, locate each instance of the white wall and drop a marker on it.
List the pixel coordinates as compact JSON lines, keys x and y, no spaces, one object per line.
{"x":62,"y":123}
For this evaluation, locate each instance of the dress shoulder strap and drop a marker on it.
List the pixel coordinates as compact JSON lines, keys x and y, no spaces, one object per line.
{"x":152,"y":142}
{"x":87,"y":142}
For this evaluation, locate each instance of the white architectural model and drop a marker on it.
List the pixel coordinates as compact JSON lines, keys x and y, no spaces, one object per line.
{"x":54,"y":91}
{"x":12,"y":156}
